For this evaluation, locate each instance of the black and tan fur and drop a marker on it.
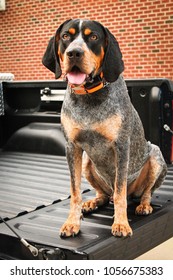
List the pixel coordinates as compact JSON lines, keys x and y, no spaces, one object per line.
{"x":105,"y":137}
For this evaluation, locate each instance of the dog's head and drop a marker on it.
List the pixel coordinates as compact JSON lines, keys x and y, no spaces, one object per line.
{"x":86,"y":48}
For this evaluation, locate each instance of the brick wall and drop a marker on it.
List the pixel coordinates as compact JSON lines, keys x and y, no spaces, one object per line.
{"x":144,"y":29}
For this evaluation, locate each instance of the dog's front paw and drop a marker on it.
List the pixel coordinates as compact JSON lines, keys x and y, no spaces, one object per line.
{"x":94,"y":203}
{"x":69,"y":229}
{"x":143,"y":209}
{"x":120,"y":230}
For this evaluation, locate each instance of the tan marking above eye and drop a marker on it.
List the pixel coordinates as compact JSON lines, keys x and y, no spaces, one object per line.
{"x":72,"y":31}
{"x":87,"y":31}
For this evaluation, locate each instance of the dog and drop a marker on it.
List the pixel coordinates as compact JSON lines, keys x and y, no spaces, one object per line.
{"x":104,"y":134}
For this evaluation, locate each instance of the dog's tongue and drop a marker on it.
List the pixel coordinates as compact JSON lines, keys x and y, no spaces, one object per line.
{"x":76,"y":78}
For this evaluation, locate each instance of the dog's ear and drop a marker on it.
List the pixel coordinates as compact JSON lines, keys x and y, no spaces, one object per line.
{"x":50,"y":58}
{"x":113,"y":64}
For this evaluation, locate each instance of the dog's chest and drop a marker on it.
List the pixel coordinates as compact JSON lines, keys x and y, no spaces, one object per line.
{"x":97,"y":139}
{"x":87,"y":119}
{"x":90,"y":133}
{"x":93,"y":122}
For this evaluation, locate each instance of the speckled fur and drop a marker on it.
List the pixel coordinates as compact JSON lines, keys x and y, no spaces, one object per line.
{"x":118,"y":162}
{"x":105,"y":136}
{"x":89,"y":109}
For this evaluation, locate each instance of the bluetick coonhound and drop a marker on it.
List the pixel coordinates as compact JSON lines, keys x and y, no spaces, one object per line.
{"x":105,"y":137}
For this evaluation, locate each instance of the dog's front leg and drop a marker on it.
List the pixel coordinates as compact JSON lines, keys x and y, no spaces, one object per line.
{"x":121,"y":226}
{"x":72,"y":225}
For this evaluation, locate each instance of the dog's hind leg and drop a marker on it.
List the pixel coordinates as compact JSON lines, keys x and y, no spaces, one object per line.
{"x":150,"y":178}
{"x":103,"y":192}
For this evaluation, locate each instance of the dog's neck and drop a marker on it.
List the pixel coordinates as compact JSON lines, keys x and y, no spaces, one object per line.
{"x":89,"y":87}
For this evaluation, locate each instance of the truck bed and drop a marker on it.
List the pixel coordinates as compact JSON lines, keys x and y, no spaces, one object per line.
{"x":34,"y":176}
{"x":34,"y":198}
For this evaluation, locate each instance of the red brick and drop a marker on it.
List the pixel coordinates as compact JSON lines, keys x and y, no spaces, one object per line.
{"x":27,"y":25}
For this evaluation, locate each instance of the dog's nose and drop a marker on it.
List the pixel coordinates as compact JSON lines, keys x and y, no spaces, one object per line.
{"x":76,"y":53}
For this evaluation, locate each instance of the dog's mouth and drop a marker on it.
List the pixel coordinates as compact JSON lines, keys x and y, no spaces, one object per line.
{"x":77,"y":77}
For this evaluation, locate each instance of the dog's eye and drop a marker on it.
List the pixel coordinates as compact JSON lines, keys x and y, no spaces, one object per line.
{"x":93,"y":37}
{"x":65,"y":37}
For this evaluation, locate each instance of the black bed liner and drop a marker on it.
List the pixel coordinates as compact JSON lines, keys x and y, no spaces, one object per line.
{"x":34,"y":176}
{"x":38,"y":217}
{"x":31,"y":181}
